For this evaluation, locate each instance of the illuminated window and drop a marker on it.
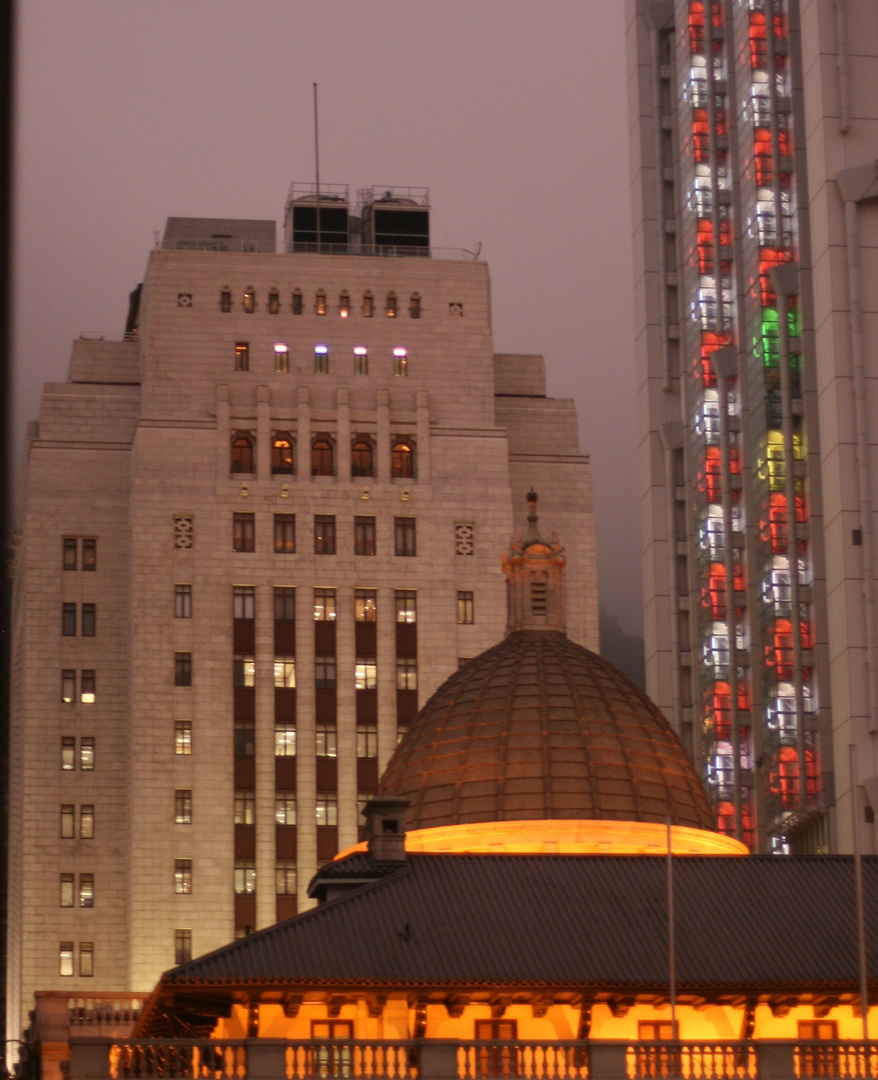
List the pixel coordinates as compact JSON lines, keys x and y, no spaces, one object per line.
{"x":406,"y":606}
{"x":344,"y":305}
{"x":404,"y":537}
{"x":86,"y":821}
{"x":390,"y":307}
{"x":406,"y":673}
{"x":362,"y":461}
{"x":400,"y":362}
{"x":183,"y":806}
{"x":68,"y":753}
{"x":465,"y":608}
{"x":249,"y":301}
{"x":285,"y":672}
{"x":285,"y":534}
{"x":281,"y":357}
{"x":68,"y":686}
{"x":65,"y":958}
{"x":245,"y":808}
{"x":320,"y":303}
{"x":324,"y":605}
{"x":321,"y":359}
{"x":361,"y":360}
{"x":365,"y":673}
{"x":368,"y":305}
{"x":324,"y":673}
{"x":245,"y":877}
{"x":273,"y":302}
{"x":284,"y":605}
{"x":87,"y":687}
{"x":324,"y":534}
{"x":364,"y":536}
{"x":86,"y":890}
{"x":285,"y":878}
{"x":243,"y":532}
{"x":244,"y":671}
{"x":87,"y":754}
{"x":182,"y":946}
{"x":321,"y":458}
{"x":242,"y":356}
{"x":297,"y":306}
{"x":402,"y":460}
{"x":415,"y":306}
{"x":67,"y":890}
{"x":242,"y":454}
{"x":226,"y":300}
{"x":182,"y":601}
{"x":326,"y":808}
{"x":89,"y":554}
{"x":68,"y":620}
{"x":182,"y":669}
{"x":367,"y":741}
{"x":282,"y":462}
{"x":67,"y":821}
{"x":365,"y":605}
{"x":285,"y":808}
{"x":183,"y":876}
{"x":285,"y":739}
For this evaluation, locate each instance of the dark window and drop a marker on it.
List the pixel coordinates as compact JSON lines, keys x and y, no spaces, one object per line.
{"x":297,"y":302}
{"x":68,"y":686}
{"x":464,"y":607}
{"x":87,"y":687}
{"x":327,"y":808}
{"x":68,"y":753}
{"x":244,"y":671}
{"x":86,"y":959}
{"x":538,"y":599}
{"x":406,"y":673}
{"x":183,"y":737}
{"x":273,"y":302}
{"x":404,"y":536}
{"x":390,"y":308}
{"x":284,"y":605}
{"x":68,"y":620}
{"x":368,"y":305}
{"x":86,"y":890}
{"x":497,"y":1031}
{"x":324,"y":605}
{"x":320,"y":303}
{"x":182,"y":946}
{"x":415,"y":305}
{"x":362,"y":458}
{"x":282,"y":454}
{"x":244,"y":602}
{"x":87,"y":821}
{"x":183,"y":876}
{"x":226,"y":300}
{"x":245,"y":877}
{"x":324,"y":534}
{"x":69,"y":553}
{"x":183,"y":669}
{"x":87,"y":754}
{"x":182,"y":601}
{"x":361,"y":360}
{"x":245,"y":808}
{"x":321,"y":458}
{"x":365,"y":605}
{"x":285,"y":742}
{"x":89,"y":554}
{"x":183,"y":806}
{"x":406,"y":606}
{"x":367,"y":741}
{"x":242,"y":454}
{"x":285,"y":534}
{"x":249,"y":301}
{"x":281,"y":358}
{"x":402,"y":460}
{"x":88,"y":620}
{"x":67,"y":821}
{"x":242,"y":356}
{"x":67,"y":881}
{"x":285,"y":878}
{"x":285,"y":808}
{"x":324,"y":673}
{"x":243,"y":532}
{"x":364,"y":536}
{"x":245,"y":738}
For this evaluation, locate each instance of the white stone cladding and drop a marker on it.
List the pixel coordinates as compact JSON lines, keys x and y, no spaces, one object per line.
{"x":140,"y":436}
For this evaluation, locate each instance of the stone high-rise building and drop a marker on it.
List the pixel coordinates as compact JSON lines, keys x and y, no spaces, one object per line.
{"x":256,"y":533}
{"x":754,"y":144}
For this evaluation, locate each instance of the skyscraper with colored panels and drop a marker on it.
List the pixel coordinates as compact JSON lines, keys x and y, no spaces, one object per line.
{"x":755,"y":460}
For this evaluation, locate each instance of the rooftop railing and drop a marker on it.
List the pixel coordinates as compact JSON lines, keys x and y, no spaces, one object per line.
{"x":281,"y":247}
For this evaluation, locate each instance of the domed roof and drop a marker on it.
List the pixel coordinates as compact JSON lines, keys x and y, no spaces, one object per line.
{"x":539,"y":728}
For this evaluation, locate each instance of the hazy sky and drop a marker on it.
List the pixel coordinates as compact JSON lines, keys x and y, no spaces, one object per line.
{"x":513,"y":113}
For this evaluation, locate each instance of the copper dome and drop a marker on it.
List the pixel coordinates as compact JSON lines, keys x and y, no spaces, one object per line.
{"x":539,"y":728}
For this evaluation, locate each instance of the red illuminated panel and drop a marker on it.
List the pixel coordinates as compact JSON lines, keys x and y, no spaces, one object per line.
{"x":784,"y":776}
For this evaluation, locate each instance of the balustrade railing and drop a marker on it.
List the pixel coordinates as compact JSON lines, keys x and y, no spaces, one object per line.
{"x":693,"y":1061}
{"x":197,"y":1059}
{"x":374,"y":1059}
{"x":497,"y":1060}
{"x":836,"y":1060}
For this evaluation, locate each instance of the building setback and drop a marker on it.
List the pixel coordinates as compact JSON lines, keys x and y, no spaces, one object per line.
{"x":754,"y":186}
{"x":256,"y":534}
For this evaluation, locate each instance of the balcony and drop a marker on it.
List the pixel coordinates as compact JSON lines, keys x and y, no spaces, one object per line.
{"x":97,"y":1058}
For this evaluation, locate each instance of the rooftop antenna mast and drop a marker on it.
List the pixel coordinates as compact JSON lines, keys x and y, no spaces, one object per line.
{"x":317,"y":164}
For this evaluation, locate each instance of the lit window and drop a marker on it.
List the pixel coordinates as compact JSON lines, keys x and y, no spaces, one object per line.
{"x":367,"y":741}
{"x":86,"y":821}
{"x":400,"y":361}
{"x":406,"y":606}
{"x":282,"y":454}
{"x":67,"y":821}
{"x":67,"y":890}
{"x":368,"y":305}
{"x":88,"y":620}
{"x":324,"y":672}
{"x":327,"y":744}
{"x":402,"y":460}
{"x":285,"y":808}
{"x":365,"y":673}
{"x":183,"y":876}
{"x":284,"y":605}
{"x":68,"y":686}
{"x":65,"y":958}
{"x":68,"y":620}
{"x":244,"y":602}
{"x":404,"y":537}
{"x":320,"y":303}
{"x":324,"y":605}
{"x":183,"y":806}
{"x":362,"y":458}
{"x":244,"y":671}
{"x":281,"y":357}
{"x":297,"y":302}
{"x":245,"y":877}
{"x":390,"y":306}
{"x":324,"y":534}
{"x":344,"y":305}
{"x":321,"y":458}
{"x":284,"y":738}
{"x":245,"y":738}
{"x":68,"y":753}
{"x":86,"y":959}
{"x":285,"y":672}
{"x":326,"y":808}
{"x":87,"y":754}
{"x":321,"y":359}
{"x":182,"y":946}
{"x":406,"y":673}
{"x":245,"y":808}
{"x":361,"y":360}
{"x":242,"y":356}
{"x":226,"y":300}
{"x":86,"y":890}
{"x":464,"y":608}
{"x":87,"y":687}
{"x":365,"y":605}
{"x":182,"y":669}
{"x":183,"y":737}
{"x":364,"y":536}
{"x":243,"y":532}
{"x":182,"y":601}
{"x":249,"y":301}
{"x":285,"y":878}
{"x":89,"y":554}
{"x":242,"y":454}
{"x":69,"y":553}
{"x":273,"y":304}
{"x":284,"y":534}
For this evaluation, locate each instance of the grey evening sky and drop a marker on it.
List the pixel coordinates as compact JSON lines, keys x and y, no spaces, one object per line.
{"x":513,"y":113}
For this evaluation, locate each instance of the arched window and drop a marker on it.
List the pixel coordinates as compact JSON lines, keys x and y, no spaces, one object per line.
{"x":361,"y":458}
{"x":402,"y":459}
{"x":242,"y":453}
{"x":368,"y":304}
{"x":321,"y":457}
{"x":415,"y":305}
{"x":282,"y":460}
{"x":390,"y":307}
{"x":320,"y":303}
{"x":273,"y":301}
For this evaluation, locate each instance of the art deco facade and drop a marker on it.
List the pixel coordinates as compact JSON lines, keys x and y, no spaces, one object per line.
{"x":256,"y":534}
{"x":754,"y":141}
